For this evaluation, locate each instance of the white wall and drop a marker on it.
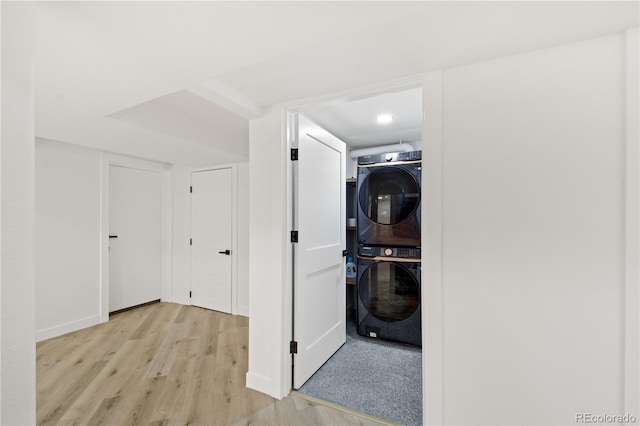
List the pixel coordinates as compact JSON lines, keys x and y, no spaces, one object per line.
{"x":632,"y":227}
{"x":67,"y":230}
{"x":529,"y":295}
{"x":17,"y":328}
{"x":432,"y":328}
{"x":533,"y":167}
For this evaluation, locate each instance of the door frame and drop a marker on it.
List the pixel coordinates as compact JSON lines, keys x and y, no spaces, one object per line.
{"x":632,"y":226}
{"x":166,"y":173}
{"x":234,"y":230}
{"x":431,"y":294}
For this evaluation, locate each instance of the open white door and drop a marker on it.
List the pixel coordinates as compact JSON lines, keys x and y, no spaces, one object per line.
{"x":211,"y":233}
{"x":319,"y":286}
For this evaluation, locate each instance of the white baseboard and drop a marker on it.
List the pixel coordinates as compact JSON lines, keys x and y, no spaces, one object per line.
{"x":261,"y":384}
{"x":68,"y":327}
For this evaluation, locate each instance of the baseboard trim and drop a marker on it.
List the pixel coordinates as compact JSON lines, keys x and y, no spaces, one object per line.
{"x":134,"y":307}
{"x":260,"y":383}
{"x":68,"y":327}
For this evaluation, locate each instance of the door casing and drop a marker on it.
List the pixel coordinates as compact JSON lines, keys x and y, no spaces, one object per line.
{"x":108,"y":160}
{"x":288,"y":126}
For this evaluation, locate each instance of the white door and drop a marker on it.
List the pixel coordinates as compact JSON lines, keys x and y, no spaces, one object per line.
{"x":211,"y":223}
{"x":319,"y":289}
{"x":135,"y":231}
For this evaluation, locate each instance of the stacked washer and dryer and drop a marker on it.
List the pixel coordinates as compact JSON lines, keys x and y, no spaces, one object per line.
{"x":389,"y":259}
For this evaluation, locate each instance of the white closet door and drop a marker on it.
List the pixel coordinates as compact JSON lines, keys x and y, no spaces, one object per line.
{"x":211,"y":224}
{"x":135,"y":222}
{"x":320,"y":306}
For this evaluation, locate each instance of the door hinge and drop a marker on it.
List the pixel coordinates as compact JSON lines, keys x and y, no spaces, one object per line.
{"x":293,"y":347}
{"x":189,"y":295}
{"x":294,"y":154}
{"x":345,"y":253}
{"x":294,"y":236}
{"x":190,"y":241}
{"x":190,"y":189}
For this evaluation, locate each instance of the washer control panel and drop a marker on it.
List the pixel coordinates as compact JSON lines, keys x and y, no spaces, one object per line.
{"x":401,"y":252}
{"x":390,"y":157}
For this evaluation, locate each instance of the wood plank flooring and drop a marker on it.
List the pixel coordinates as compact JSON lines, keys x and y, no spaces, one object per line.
{"x":162,"y":364}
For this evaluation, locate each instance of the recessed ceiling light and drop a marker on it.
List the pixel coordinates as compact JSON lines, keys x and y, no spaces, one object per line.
{"x":384,"y":118}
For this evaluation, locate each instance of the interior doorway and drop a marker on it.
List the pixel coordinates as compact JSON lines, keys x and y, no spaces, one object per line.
{"x":137,"y":193}
{"x":347,"y":118}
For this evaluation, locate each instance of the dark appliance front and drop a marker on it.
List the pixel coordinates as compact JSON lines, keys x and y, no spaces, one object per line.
{"x":389,"y":188}
{"x":388,"y":289}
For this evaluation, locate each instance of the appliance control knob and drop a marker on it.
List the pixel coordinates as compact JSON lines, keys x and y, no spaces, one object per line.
{"x":388,"y":252}
{"x":388,"y":157}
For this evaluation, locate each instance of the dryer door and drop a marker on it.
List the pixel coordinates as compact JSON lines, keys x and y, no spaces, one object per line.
{"x":389,"y":195}
{"x":389,"y":205}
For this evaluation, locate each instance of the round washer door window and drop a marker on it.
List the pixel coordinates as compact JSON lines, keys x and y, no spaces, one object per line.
{"x":389,"y":291}
{"x":389,"y":195}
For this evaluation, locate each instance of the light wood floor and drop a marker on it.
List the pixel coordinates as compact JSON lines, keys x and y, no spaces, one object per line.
{"x":162,"y":364}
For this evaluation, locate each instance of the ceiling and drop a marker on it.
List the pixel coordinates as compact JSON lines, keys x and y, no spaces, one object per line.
{"x":354,"y":120}
{"x":178,"y":81}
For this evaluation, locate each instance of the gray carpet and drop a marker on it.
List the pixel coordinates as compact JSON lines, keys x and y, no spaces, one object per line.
{"x":383,"y":379}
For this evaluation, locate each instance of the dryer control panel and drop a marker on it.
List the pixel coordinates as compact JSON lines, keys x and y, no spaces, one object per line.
{"x":398,"y":252}
{"x":390,"y":157}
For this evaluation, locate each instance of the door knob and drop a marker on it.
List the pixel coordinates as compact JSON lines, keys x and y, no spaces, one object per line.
{"x":227,"y":252}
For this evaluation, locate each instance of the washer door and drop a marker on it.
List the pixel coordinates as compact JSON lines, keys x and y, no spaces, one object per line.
{"x":389,"y":291}
{"x":389,"y":195}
